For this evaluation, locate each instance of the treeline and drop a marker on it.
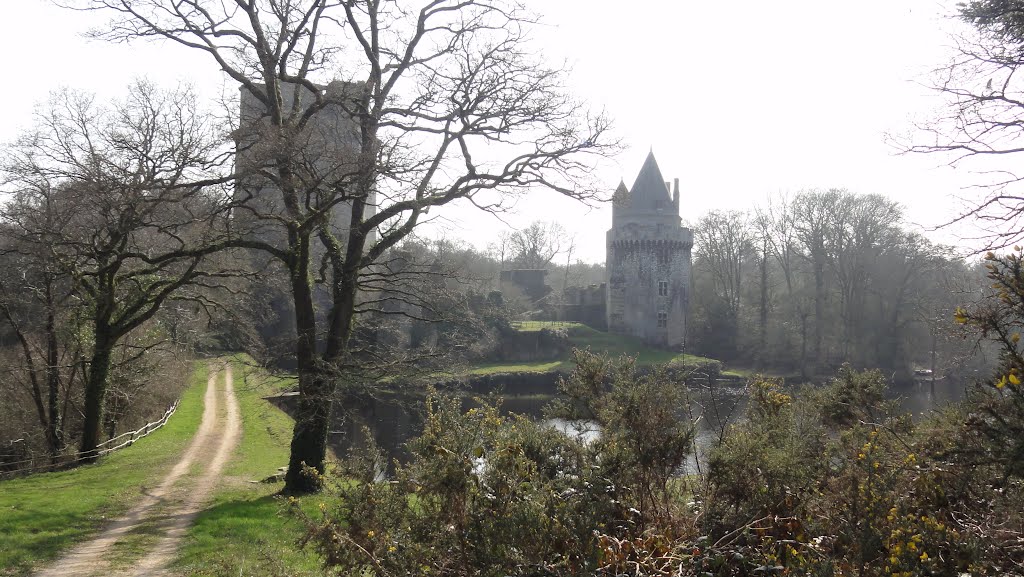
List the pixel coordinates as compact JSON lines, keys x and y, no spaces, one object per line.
{"x":539,"y":245}
{"x":801,"y":284}
{"x":808,"y":282}
{"x":106,"y":244}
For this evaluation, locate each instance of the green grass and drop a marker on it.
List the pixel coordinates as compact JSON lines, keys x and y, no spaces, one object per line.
{"x":748,"y":372}
{"x":134,"y":545}
{"x":533,"y":326}
{"x":538,"y":367}
{"x":582,"y":337}
{"x":245,"y":531}
{"x":44,"y":514}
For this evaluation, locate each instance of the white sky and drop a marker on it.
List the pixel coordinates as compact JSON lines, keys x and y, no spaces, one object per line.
{"x":737,"y":100}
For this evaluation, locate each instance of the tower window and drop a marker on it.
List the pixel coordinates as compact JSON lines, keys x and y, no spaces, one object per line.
{"x":662,"y":320}
{"x":663,"y":288}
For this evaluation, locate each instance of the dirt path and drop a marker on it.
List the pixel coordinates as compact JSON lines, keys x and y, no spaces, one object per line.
{"x":169,"y":509}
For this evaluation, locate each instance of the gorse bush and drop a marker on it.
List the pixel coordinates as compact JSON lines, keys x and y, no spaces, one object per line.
{"x":861,"y":489}
{"x":482,"y":494}
{"x":995,"y":431}
{"x":827,"y":481}
{"x":765,"y":464}
{"x":645,"y":434}
{"x":488,"y":494}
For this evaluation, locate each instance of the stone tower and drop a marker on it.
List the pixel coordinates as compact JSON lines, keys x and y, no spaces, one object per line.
{"x":648,"y":261}
{"x":326,"y":149}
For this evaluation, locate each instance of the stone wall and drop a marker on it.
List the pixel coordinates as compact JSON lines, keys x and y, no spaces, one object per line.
{"x":529,"y":282}
{"x":640,"y":259}
{"x":329,"y":146}
{"x":587,"y":305}
{"x":531,"y":346}
{"x":328,"y":149}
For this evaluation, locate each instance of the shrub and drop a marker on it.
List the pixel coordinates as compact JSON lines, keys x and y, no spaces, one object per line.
{"x":765,"y":465}
{"x":646,"y":435}
{"x":494,"y":495}
{"x":483,"y":494}
{"x":824,"y":482}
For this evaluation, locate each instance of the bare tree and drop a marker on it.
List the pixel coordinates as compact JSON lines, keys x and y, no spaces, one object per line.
{"x":538,"y":244}
{"x":762,"y":237}
{"x":784,"y":248}
{"x":723,"y":240}
{"x":444,"y":103}
{"x":34,"y":296}
{"x":811,"y":219}
{"x":984,"y":116}
{"x":569,"y":250}
{"x":116,"y":199}
{"x":862,"y":227}
{"x":501,"y":248}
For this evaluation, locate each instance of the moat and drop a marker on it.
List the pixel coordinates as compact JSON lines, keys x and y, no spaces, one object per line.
{"x":394,"y":418}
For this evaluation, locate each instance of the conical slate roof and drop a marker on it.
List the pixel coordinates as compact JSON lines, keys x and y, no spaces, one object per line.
{"x":621,"y":195}
{"x":649,"y":192}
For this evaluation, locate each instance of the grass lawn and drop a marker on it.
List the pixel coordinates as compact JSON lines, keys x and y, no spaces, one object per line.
{"x":245,"y":531}
{"x":532,"y":326}
{"x":582,"y":336}
{"x":44,"y":514}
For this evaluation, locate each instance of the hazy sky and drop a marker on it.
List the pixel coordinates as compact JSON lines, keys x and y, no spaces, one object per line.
{"x":737,"y":100}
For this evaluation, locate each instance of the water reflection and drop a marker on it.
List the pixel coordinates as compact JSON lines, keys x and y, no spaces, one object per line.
{"x":926,"y":395}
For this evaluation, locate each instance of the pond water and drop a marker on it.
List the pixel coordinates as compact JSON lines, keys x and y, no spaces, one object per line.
{"x":394,"y":419}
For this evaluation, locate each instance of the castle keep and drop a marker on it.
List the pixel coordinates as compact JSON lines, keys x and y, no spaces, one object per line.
{"x":648,"y":261}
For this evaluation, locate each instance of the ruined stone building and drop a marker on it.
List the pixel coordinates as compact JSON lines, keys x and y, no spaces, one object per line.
{"x":528,"y":283}
{"x":648,"y":261}
{"x":587,"y":305}
{"x":326,"y":152}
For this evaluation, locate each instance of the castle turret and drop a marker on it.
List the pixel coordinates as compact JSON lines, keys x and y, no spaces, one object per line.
{"x":648,"y":260}
{"x":648,"y":198}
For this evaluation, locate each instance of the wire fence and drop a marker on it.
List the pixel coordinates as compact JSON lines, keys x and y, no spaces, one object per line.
{"x":105,"y":448}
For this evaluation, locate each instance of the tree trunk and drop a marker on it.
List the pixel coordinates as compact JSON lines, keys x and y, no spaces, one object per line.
{"x":762,"y":344}
{"x":95,"y":393}
{"x":819,"y":313}
{"x":309,"y":438}
{"x":934,"y":344}
{"x":53,"y":430}
{"x":804,"y":373}
{"x":312,"y":421}
{"x":316,"y":399}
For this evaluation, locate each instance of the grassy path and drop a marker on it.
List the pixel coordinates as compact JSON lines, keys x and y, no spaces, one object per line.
{"x":155,"y":525}
{"x":234,"y":526}
{"x":44,"y":514}
{"x":245,"y":530}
